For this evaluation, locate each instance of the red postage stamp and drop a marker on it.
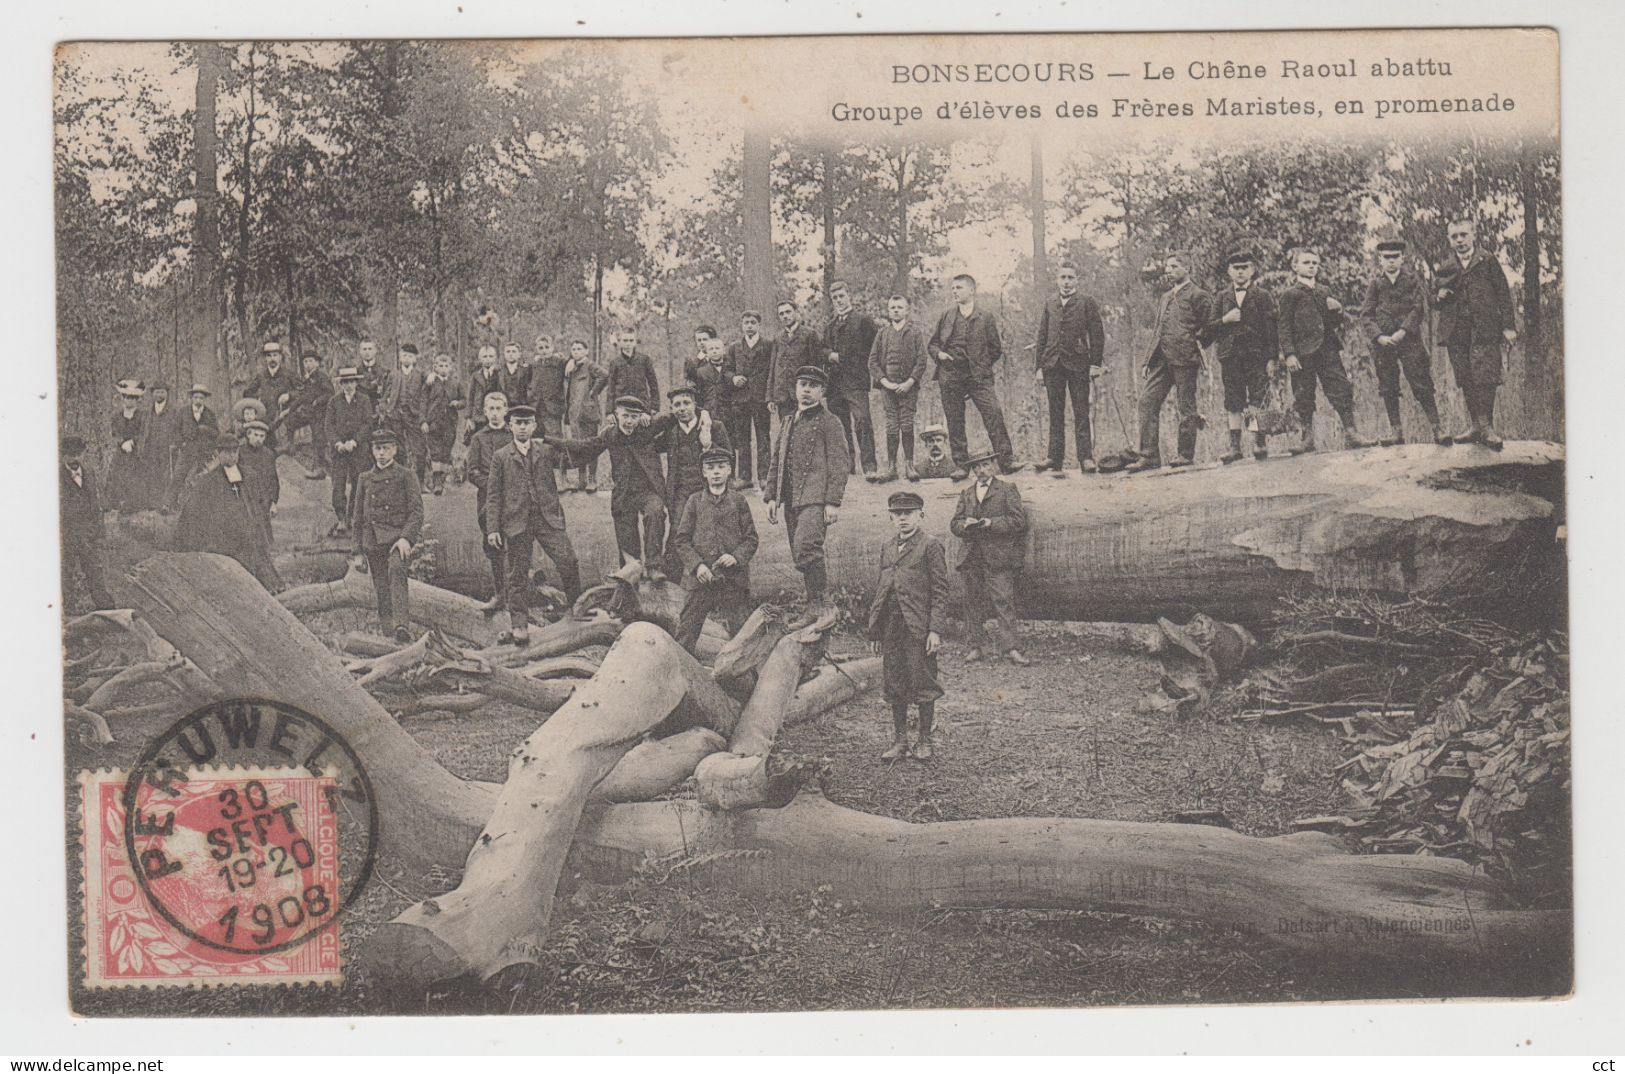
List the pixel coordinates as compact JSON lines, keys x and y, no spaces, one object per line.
{"x":215,"y":876}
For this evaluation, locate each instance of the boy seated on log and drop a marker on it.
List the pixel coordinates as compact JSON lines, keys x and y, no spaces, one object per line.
{"x":715,"y":540}
{"x":388,"y":521}
{"x":905,"y":622}
{"x":522,"y":510}
{"x":638,"y":500}
{"x":992,"y":522}
{"x":482,"y":448}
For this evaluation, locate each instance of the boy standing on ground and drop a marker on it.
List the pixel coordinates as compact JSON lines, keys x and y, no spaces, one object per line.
{"x":348,"y":423}
{"x":522,"y":510}
{"x":807,"y":480}
{"x":896,"y":367}
{"x":1246,"y":338}
{"x":81,"y":523}
{"x":850,"y":337}
{"x":906,"y":621}
{"x":260,"y":479}
{"x":750,"y":363}
{"x":481,"y":384}
{"x":482,"y":448}
{"x":1070,"y":351}
{"x":388,"y":521}
{"x":442,"y":400}
{"x":992,"y":522}
{"x":1310,"y":320}
{"x":587,"y":380}
{"x":1475,"y":322}
{"x":1392,"y":315}
{"x":637,"y":506}
{"x":404,"y":409}
{"x":716,"y":538}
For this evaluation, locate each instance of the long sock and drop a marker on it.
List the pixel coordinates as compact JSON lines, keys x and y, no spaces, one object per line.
{"x":1390,"y":403}
{"x":1487,"y":406}
{"x":1235,"y":441}
{"x":908,"y":449}
{"x":928,"y":712}
{"x":899,"y":719}
{"x":891,"y":447}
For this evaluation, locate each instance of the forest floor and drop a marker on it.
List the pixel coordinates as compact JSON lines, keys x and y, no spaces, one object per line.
{"x":1063,"y":738}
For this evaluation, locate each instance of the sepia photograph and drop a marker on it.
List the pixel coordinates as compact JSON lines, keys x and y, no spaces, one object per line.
{"x":834,"y":523}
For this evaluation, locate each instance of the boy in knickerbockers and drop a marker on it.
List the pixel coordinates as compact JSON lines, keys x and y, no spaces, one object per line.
{"x":906,"y":620}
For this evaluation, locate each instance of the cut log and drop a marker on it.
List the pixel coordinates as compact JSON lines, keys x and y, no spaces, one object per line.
{"x":1300,"y":890}
{"x":560,"y":667}
{"x":456,"y":704}
{"x":655,"y":766}
{"x":556,"y":639}
{"x":431,"y":606}
{"x":223,"y":621}
{"x":498,"y":916}
{"x":1227,"y":540}
{"x":745,"y":652}
{"x":100,"y":733}
{"x":832,"y":685}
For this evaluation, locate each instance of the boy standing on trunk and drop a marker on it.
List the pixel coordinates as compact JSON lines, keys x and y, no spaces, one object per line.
{"x":522,"y":510}
{"x":906,"y":621}
{"x":1246,"y":338}
{"x":388,"y":521}
{"x":1475,"y":322}
{"x":716,"y":538}
{"x":1310,"y":320}
{"x":1392,"y":314}
{"x":896,"y":367}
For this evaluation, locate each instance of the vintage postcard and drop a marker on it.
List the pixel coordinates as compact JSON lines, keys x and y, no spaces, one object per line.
{"x":812,"y":523}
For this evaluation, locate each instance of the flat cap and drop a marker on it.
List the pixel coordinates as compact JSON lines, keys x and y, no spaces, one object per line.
{"x":812,"y":373}
{"x":681,"y":389}
{"x":522,"y":412}
{"x":905,"y":501}
{"x":1241,"y":255}
{"x":384,"y":436}
{"x":632,"y":403}
{"x":716,"y":454}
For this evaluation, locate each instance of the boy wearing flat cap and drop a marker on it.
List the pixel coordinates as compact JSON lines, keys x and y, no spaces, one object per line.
{"x":388,"y":521}
{"x":1392,"y":317}
{"x":637,"y":506}
{"x":906,"y":621}
{"x":992,"y":522}
{"x":522,"y":510}
{"x":692,"y":434}
{"x":715,"y":540}
{"x":1244,"y":333}
{"x":806,"y":481}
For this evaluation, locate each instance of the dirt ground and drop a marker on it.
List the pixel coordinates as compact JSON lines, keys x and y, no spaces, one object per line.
{"x":1062,"y":738}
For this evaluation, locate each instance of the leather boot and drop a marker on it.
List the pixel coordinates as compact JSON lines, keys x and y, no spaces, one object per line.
{"x":1234,"y":454}
{"x":899,"y":742}
{"x":1307,"y":444}
{"x":909,"y":471}
{"x":1261,"y":449}
{"x":922,"y":748}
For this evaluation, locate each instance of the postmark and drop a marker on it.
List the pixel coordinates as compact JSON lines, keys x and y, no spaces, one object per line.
{"x":228,"y":854}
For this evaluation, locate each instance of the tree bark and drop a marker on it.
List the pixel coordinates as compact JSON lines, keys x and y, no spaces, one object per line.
{"x":205,"y":365}
{"x":1035,"y":210}
{"x":222,"y":620}
{"x":440,"y":609}
{"x":1228,"y":541}
{"x":1299,"y":890}
{"x":756,"y":212}
{"x":498,"y":916}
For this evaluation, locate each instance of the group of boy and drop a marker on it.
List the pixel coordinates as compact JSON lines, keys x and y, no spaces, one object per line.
{"x":1254,"y":333}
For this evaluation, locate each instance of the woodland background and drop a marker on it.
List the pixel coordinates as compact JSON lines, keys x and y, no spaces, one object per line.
{"x":212,"y":196}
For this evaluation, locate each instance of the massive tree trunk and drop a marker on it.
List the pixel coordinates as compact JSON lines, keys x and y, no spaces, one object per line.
{"x":448,"y":612}
{"x":1035,"y":210}
{"x":1297,"y":890}
{"x":756,"y":213}
{"x":205,"y":364}
{"x":1227,"y":541}
{"x":217,"y":616}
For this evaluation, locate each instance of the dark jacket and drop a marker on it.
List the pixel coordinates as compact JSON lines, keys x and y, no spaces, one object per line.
{"x":406,"y":399}
{"x":1071,"y":335}
{"x":480,"y":385}
{"x":350,"y":419}
{"x":388,"y":506}
{"x":755,"y":364}
{"x":1475,"y":305}
{"x":810,"y":460}
{"x":204,"y":427}
{"x":81,"y":508}
{"x":586,"y":395}
{"x":1306,"y":326}
{"x":1002,"y":544}
{"x":127,"y":472}
{"x":791,"y":351}
{"x":441,"y":401}
{"x":709,"y":526}
{"x":1256,"y":337}
{"x":309,"y":403}
{"x":982,"y":354}
{"x":514,"y":383}
{"x":634,"y":460}
{"x":633,"y":376}
{"x":269,"y":388}
{"x":520,"y":493}
{"x":684,"y":476}
{"x":374,"y":379}
{"x":163,"y":438}
{"x":915,"y":576}
{"x":217,"y":515}
{"x":259,"y":476}
{"x":1181,"y":313}
{"x":1394,"y":304}
{"x":482,"y":448}
{"x":852,"y":337}
{"x":898,"y":354}
{"x":548,"y":387}
{"x":714,"y":387}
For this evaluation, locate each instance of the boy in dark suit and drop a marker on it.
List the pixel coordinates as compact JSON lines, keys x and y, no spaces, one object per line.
{"x":1309,"y":322}
{"x":716,"y":538}
{"x":637,"y":506}
{"x":442,"y":400}
{"x":404,"y":409}
{"x":1475,"y":323}
{"x":992,"y":522}
{"x":480,"y":385}
{"x":750,"y":363}
{"x":388,"y":521}
{"x":1071,"y":352}
{"x":850,"y":337}
{"x":1173,"y":363}
{"x":197,"y":435}
{"x":1392,"y":314}
{"x":906,"y":621}
{"x":348,"y":424}
{"x":1246,"y":337}
{"x":967,"y":348}
{"x":81,"y":523}
{"x":897,"y":362}
{"x":522,"y":510}
{"x":807,"y":480}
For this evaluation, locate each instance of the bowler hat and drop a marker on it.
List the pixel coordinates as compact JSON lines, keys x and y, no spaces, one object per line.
{"x":409,"y":348}
{"x":981,"y":456}
{"x":200,"y":389}
{"x":812,"y":373}
{"x":348,"y":372}
{"x":905,"y":501}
